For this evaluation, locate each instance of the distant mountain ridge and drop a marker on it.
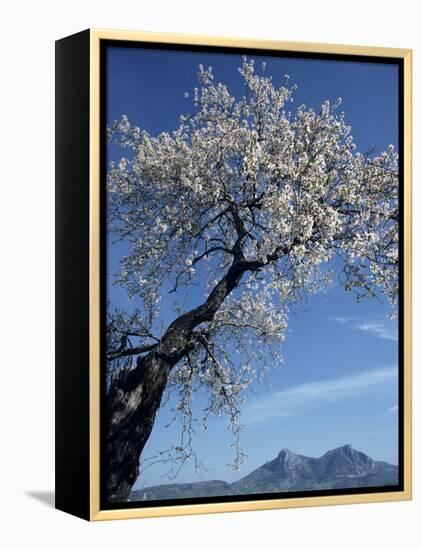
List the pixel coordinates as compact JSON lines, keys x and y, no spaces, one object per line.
{"x":343,"y":467}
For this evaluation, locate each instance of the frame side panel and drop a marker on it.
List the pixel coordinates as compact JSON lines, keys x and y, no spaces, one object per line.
{"x":72,"y":274}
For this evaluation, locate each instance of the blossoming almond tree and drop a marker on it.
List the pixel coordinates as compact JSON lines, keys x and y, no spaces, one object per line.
{"x":252,"y":203}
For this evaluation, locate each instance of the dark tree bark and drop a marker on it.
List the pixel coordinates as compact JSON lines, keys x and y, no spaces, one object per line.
{"x":135,"y":394}
{"x":134,"y":398}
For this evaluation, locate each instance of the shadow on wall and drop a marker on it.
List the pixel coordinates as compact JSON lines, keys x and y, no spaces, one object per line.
{"x":45,"y":497}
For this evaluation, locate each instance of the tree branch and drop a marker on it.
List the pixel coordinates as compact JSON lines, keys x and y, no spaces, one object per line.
{"x":131,"y":351}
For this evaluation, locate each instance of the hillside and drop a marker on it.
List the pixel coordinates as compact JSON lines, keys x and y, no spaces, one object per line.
{"x":343,"y":467}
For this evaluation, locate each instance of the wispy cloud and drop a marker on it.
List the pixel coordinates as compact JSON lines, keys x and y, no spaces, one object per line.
{"x":386,"y":329}
{"x":382,"y":330}
{"x":342,"y":320}
{"x":297,"y":399}
{"x":393,"y":409}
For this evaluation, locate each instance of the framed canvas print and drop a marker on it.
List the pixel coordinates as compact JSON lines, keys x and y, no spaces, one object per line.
{"x":233,"y":274}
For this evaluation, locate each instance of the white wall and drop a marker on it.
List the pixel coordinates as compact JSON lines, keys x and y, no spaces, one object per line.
{"x":28,"y":30}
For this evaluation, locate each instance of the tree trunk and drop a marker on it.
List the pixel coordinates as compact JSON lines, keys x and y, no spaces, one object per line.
{"x":133,"y":401}
{"x":135,"y":394}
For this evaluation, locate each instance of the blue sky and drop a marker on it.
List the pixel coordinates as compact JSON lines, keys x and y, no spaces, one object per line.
{"x":338,"y":382}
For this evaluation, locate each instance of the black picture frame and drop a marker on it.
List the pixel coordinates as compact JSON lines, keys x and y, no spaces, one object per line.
{"x":80,"y":276}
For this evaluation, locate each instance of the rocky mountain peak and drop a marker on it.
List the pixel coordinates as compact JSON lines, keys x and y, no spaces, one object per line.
{"x":338,"y":468}
{"x":286,"y":453}
{"x":346,"y":460}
